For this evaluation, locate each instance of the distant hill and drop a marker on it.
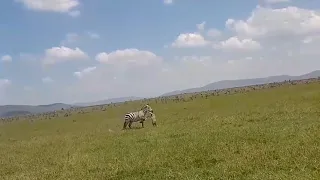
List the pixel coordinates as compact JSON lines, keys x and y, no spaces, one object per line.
{"x":108,"y":101}
{"x":16,"y":110}
{"x":244,"y":82}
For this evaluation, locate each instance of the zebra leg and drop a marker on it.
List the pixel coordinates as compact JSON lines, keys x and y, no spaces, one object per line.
{"x":142,"y":124}
{"x":125,"y":125}
{"x":130,"y":124}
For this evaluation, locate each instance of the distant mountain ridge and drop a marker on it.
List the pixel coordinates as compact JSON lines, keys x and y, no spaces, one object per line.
{"x":224,"y":84}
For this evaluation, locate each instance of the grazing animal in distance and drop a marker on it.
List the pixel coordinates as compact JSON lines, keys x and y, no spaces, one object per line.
{"x":138,"y":116}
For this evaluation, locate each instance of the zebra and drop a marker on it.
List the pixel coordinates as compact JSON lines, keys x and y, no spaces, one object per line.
{"x":139,"y":116}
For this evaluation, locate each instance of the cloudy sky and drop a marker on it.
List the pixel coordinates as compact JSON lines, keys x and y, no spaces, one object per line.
{"x":87,"y":50}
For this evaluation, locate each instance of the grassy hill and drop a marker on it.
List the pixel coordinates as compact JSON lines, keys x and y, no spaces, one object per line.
{"x":262,"y":134}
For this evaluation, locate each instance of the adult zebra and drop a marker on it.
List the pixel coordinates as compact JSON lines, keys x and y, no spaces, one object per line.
{"x":139,"y":116}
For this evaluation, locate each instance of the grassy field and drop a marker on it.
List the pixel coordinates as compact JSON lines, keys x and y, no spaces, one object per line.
{"x":265,"y":134}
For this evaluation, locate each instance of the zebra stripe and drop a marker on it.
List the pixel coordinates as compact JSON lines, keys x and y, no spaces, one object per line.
{"x":134,"y":116}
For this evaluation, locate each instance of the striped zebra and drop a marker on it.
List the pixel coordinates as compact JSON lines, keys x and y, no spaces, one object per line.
{"x":139,"y":116}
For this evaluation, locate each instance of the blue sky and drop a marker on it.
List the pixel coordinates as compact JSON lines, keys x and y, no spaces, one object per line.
{"x":80,"y":50}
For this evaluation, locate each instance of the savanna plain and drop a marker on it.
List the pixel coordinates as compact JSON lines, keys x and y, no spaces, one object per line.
{"x":264,"y":134}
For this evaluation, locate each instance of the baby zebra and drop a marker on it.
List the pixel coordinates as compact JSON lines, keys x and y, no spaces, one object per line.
{"x":138,"y":116}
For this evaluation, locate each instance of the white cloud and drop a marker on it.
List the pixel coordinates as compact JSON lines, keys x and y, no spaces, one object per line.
{"x":60,"y":6}
{"x":266,"y":22}
{"x":214,"y":33}
{"x":84,"y":72}
{"x":61,"y":54}
{"x":6,"y":58}
{"x":128,"y":56}
{"x":47,"y":80}
{"x":185,"y":40}
{"x":234,"y":43}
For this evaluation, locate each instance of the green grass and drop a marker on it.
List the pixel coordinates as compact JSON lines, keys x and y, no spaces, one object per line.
{"x":265,"y":134}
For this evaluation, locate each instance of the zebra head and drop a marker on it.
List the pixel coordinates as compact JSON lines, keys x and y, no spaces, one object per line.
{"x":147,"y":109}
